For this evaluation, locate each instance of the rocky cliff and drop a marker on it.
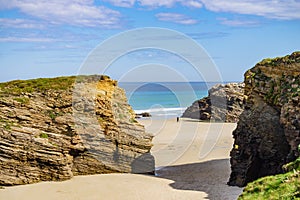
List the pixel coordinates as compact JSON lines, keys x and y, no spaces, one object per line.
{"x":267,"y":134}
{"x":53,"y":129}
{"x":224,"y":103}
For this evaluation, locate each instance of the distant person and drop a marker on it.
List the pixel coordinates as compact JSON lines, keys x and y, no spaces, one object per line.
{"x":177,"y":119}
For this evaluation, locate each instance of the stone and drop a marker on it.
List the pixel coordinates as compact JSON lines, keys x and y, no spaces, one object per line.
{"x":68,"y":126}
{"x":267,"y":135}
{"x":224,"y":103}
{"x":144,"y":114}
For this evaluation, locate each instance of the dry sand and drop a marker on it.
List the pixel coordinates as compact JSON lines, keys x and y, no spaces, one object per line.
{"x":192,"y":160}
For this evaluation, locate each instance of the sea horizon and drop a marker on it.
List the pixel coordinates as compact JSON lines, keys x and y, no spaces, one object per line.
{"x":165,"y":99}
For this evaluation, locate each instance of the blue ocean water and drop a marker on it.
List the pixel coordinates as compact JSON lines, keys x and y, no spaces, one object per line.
{"x":167,"y":99}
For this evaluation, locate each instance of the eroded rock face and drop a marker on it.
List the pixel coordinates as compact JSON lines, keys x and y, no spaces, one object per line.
{"x":52,"y":131}
{"x":224,"y":103}
{"x":267,"y":135}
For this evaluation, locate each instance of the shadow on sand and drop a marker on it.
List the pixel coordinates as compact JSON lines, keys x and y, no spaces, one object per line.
{"x":210,"y":177}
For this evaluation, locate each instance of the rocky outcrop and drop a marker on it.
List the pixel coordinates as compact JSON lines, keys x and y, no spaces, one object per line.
{"x":200,"y":109}
{"x":224,"y":103}
{"x":267,"y":135}
{"x":144,"y":114}
{"x":53,"y":129}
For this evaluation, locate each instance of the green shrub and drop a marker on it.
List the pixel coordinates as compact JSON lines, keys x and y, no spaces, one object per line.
{"x":52,"y":114}
{"x":132,"y":120}
{"x":22,"y":100}
{"x":6,"y":124}
{"x":43,"y":135}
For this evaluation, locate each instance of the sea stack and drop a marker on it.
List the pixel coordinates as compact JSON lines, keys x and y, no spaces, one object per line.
{"x":267,"y":135}
{"x":224,"y":103}
{"x":53,"y":129}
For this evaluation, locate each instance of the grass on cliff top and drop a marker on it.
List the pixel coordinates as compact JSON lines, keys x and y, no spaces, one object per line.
{"x":289,"y":59}
{"x":282,"y":186}
{"x":36,"y":85}
{"x":43,"y":84}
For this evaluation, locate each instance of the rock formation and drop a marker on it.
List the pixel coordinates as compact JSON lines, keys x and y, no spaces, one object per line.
{"x":267,"y":134}
{"x":144,"y":114}
{"x":224,"y":103}
{"x":53,"y":129}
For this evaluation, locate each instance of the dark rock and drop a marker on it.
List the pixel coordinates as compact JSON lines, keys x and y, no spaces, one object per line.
{"x":144,"y":114}
{"x":224,"y":103}
{"x":267,"y":135}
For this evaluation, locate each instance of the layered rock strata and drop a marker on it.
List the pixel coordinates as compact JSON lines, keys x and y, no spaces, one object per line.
{"x":267,"y":135}
{"x":224,"y":103}
{"x":54,"y":129}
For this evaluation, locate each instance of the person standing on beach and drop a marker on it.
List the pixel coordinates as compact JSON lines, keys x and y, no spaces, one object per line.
{"x":177,"y":119}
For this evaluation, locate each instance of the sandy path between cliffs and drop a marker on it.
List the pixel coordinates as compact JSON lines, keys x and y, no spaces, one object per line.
{"x":192,"y":162}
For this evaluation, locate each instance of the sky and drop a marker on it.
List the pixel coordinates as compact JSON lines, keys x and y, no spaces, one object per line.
{"x":49,"y":38}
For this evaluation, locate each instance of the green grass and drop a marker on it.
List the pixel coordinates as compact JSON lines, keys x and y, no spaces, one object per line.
{"x":52,"y":114}
{"x":54,"y":144}
{"x":6,"y":124}
{"x":44,"y":135}
{"x":282,"y":186}
{"x":22,"y":100}
{"x":132,"y":120}
{"x":18,"y":87}
{"x":285,"y":60}
{"x":122,"y":116}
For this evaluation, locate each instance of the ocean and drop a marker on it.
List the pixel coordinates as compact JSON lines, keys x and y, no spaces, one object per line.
{"x":166,"y":99}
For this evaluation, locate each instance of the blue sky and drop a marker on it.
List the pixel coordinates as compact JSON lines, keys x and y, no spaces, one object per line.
{"x":48,"y":38}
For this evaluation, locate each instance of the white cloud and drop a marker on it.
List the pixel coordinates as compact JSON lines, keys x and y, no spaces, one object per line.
{"x":20,"y":23}
{"x":73,"y":12}
{"x":176,"y":18}
{"x":122,"y":3}
{"x":274,"y":9}
{"x":192,"y":4}
{"x":156,"y":3}
{"x":238,"y":22}
{"x":25,"y":39}
{"x":207,"y":35}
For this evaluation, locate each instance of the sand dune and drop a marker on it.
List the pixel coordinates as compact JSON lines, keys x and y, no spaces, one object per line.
{"x":192,"y":160}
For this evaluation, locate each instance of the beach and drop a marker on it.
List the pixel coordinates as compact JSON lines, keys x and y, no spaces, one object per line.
{"x":192,"y":162}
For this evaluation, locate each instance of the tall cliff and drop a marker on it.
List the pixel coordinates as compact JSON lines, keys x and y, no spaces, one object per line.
{"x":53,"y":129}
{"x":224,"y":103}
{"x":267,"y":135}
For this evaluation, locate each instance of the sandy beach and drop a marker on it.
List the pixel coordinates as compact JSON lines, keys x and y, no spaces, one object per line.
{"x":192,"y":162}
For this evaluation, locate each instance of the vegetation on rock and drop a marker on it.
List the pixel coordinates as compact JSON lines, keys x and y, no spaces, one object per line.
{"x":44,"y":135}
{"x":267,"y":134}
{"x":281,"y":186}
{"x":18,"y":87}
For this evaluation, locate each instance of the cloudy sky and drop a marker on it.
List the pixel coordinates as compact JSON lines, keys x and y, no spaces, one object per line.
{"x":47,"y":38}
